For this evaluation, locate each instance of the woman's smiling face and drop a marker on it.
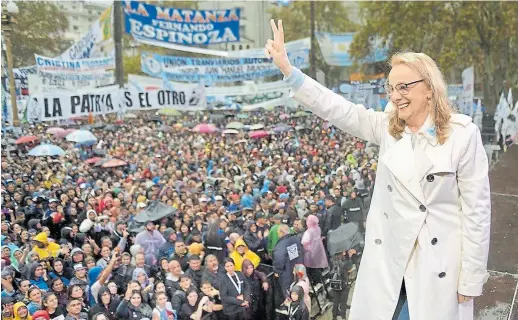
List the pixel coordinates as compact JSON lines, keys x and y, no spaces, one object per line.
{"x":414,"y":100}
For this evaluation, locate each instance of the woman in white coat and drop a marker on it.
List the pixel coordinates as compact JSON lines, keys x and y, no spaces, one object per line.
{"x":428,"y":224}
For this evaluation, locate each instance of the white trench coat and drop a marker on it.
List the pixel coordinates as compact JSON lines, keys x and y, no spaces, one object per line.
{"x":429,"y":217}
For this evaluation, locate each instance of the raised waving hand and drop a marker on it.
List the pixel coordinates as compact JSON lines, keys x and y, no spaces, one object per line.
{"x":275,"y":48}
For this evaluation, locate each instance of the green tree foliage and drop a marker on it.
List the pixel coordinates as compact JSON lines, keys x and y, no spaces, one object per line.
{"x":37,"y":30}
{"x":330,"y":16}
{"x":455,"y":34}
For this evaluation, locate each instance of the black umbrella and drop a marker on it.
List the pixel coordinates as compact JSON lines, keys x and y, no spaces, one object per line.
{"x":155,"y":211}
{"x":344,"y":238}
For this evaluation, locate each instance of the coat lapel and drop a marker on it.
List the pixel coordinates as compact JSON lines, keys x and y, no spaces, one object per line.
{"x":401,"y":160}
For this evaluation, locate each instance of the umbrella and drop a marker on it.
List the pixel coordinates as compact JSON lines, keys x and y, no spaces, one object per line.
{"x":230,"y":131}
{"x":258,"y":134}
{"x":86,"y":127}
{"x":78,"y":118}
{"x":54,"y":130}
{"x":344,"y":238}
{"x":98,"y":126}
{"x":205,"y":128}
{"x":241,"y":141}
{"x":65,"y":133}
{"x":93,"y":160}
{"x":299,"y":127}
{"x":81,"y":137}
{"x":26,"y":139}
{"x":169,"y":112}
{"x":112,"y":163}
{"x":46,"y":150}
{"x":130,"y":116}
{"x":242,"y":116}
{"x":258,"y":126}
{"x":235,"y":125}
{"x":99,"y":152}
{"x":177,"y":125}
{"x":155,"y":211}
{"x":282,"y":128}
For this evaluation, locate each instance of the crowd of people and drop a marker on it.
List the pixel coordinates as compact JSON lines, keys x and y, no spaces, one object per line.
{"x":248,"y":230}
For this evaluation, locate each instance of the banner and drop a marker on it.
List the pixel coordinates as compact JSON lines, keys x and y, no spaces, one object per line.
{"x":59,"y":105}
{"x":335,"y":49}
{"x":211,"y":70}
{"x":248,"y":53}
{"x":85,"y":65}
{"x":368,"y":93}
{"x":73,"y":81}
{"x":249,"y":96}
{"x":183,"y":97}
{"x":21,"y":81}
{"x":181,"y":26}
{"x":98,"y":42}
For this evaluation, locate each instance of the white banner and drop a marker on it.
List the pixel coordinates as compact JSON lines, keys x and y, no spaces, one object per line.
{"x":98,"y":42}
{"x":465,"y":101}
{"x":73,"y":81}
{"x":72,"y":66}
{"x":60,"y":105}
{"x":181,"y":97}
{"x":304,"y":43}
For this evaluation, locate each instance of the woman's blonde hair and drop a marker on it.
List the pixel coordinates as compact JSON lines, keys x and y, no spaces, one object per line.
{"x":441,"y":108}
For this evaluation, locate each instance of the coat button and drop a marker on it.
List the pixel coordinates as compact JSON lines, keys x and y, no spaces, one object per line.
{"x":434,"y":241}
{"x":389,"y":188}
{"x":442,"y":275}
{"x":430,"y":178}
{"x":377,"y":241}
{"x":422,"y":208}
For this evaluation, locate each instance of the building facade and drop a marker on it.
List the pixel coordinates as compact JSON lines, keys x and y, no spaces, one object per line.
{"x":81,"y":15}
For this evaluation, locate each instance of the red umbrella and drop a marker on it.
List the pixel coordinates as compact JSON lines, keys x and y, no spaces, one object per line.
{"x":26,"y":139}
{"x":93,"y":160}
{"x":65,"y":133}
{"x":258,"y":134}
{"x":112,"y":163}
{"x":205,"y":128}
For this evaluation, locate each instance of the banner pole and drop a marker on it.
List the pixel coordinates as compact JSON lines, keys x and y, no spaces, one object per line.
{"x":117,"y":38}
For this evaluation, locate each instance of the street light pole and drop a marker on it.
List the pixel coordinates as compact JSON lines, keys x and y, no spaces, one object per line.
{"x":7,"y":21}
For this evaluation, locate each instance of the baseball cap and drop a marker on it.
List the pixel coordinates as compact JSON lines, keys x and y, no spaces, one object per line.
{"x":259,"y":215}
{"x":218,"y":198}
{"x":78,"y":267}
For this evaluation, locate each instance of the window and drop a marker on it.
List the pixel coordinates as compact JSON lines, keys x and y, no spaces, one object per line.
{"x":242,"y":30}
{"x":233,"y":47}
{"x":240,"y":47}
{"x":75,"y":28}
{"x":248,"y":46}
{"x":242,"y":12}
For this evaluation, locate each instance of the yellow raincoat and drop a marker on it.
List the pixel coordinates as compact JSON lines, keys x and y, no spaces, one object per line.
{"x":51,"y":249}
{"x":17,"y":306}
{"x":249,"y":254}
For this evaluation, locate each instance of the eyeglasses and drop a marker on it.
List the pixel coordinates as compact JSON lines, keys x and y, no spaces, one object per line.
{"x":402,"y":88}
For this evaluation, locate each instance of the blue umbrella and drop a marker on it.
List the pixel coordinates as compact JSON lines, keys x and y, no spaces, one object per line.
{"x":81,"y":137}
{"x":45,"y":150}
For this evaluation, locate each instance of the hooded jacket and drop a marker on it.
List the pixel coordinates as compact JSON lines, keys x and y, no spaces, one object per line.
{"x":50,"y":249}
{"x":108,"y":310}
{"x":37,"y":281}
{"x":17,"y":306}
{"x":249,"y":254}
{"x":253,"y":242}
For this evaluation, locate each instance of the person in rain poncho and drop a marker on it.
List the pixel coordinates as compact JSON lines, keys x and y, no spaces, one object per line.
{"x":243,"y":253}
